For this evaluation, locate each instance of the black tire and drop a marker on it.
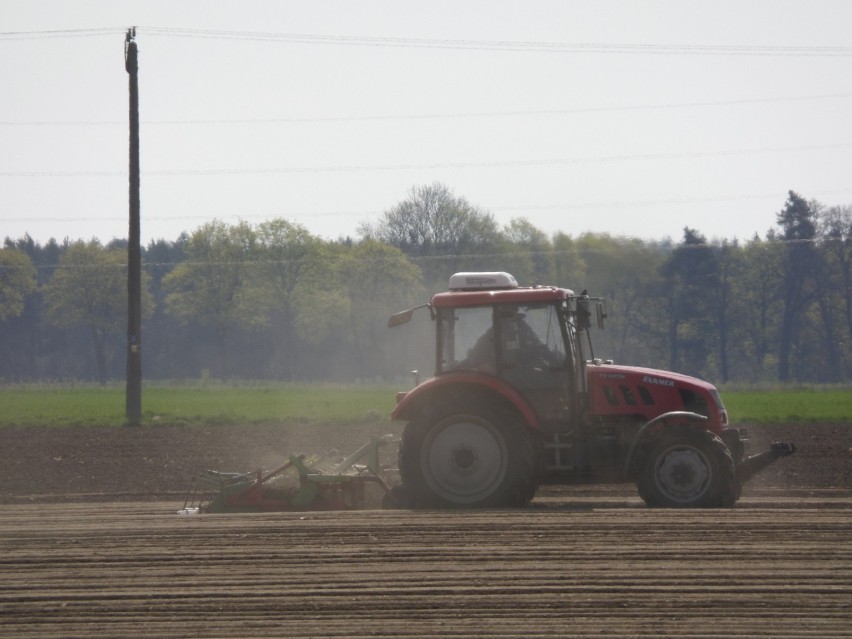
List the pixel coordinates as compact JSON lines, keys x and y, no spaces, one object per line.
{"x":466,"y":459}
{"x":688,"y":468}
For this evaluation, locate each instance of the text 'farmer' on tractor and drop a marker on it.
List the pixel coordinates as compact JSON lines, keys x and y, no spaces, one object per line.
{"x":519,"y":400}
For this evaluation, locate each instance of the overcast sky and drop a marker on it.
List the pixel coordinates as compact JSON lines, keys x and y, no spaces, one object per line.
{"x":632,"y":118}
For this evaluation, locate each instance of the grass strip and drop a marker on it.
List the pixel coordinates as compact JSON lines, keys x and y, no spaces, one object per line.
{"x":830,"y":405}
{"x":80,"y":405}
{"x":210,"y":405}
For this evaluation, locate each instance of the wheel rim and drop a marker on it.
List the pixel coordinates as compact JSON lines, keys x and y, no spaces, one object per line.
{"x":464,"y":459}
{"x":683,"y":473}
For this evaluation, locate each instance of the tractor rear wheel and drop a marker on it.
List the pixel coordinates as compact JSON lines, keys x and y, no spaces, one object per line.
{"x":688,"y":468}
{"x":466,"y":459}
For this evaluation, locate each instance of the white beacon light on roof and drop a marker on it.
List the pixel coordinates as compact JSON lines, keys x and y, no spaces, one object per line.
{"x":482,"y":281}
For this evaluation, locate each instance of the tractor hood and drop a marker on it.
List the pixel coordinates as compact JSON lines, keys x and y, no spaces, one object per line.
{"x":632,"y":390}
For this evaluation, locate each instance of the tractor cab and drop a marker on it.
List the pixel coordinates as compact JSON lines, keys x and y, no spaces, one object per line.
{"x":525,"y":337}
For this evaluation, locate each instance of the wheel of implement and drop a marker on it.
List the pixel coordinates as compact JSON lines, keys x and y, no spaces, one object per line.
{"x":466,"y":459}
{"x":688,"y":468}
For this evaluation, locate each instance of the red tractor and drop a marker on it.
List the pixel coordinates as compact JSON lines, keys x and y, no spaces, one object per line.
{"x":518,"y":400}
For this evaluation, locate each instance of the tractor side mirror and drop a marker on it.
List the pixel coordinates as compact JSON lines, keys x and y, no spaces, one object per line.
{"x":398,"y":319}
{"x":584,"y":315}
{"x":403,"y":317}
{"x":601,"y":313}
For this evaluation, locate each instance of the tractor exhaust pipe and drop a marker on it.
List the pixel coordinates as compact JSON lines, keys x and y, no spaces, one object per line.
{"x":750,"y":466}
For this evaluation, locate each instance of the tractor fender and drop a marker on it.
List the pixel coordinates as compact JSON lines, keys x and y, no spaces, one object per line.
{"x":666,"y":420}
{"x":415,"y":400}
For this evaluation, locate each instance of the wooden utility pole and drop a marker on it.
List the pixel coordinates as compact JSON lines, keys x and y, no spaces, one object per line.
{"x":133,"y":396}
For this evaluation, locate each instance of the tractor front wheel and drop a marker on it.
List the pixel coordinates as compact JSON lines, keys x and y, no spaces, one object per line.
{"x":688,"y":468}
{"x":466,"y":460}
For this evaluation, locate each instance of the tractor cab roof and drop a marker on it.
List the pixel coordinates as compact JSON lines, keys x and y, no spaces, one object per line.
{"x":485,"y":289}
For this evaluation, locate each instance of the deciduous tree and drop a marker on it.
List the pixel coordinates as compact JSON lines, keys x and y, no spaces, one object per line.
{"x":529,"y":254}
{"x":89,"y":288}
{"x":286,"y":252}
{"x":17,"y":280}
{"x":378,"y":280}
{"x":443,"y":232}
{"x":626,"y":271}
{"x":211,"y":286}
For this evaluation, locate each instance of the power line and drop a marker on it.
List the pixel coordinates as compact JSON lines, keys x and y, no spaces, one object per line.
{"x":504,"y":45}
{"x":437,"y":116}
{"x":444,"y":43}
{"x":658,"y":202}
{"x":662,"y":246}
{"x":374,"y":213}
{"x":60,"y":33}
{"x":684,"y":155}
{"x":240,"y":216}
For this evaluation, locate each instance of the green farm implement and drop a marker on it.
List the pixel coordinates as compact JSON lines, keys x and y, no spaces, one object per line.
{"x":296,"y":485}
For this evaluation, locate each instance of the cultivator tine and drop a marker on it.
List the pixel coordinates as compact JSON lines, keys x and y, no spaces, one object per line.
{"x":193,"y":502}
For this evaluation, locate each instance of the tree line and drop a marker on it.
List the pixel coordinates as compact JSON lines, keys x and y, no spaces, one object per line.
{"x":273,"y":301}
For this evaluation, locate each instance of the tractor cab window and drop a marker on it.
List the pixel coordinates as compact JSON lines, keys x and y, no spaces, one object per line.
{"x":530,"y":336}
{"x":522,"y":344}
{"x":465,"y":339}
{"x":503,"y":337}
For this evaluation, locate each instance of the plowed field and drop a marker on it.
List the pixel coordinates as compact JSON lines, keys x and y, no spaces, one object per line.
{"x":584,"y":562}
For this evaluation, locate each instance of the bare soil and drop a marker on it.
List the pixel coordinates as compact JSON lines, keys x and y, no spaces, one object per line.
{"x":91,"y":545}
{"x":152,"y":462}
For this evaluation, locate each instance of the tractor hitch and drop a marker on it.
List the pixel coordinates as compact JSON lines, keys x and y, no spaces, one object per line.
{"x":751,"y":466}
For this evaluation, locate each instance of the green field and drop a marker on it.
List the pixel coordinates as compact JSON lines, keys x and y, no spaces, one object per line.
{"x":66,"y":405}
{"x":209,"y":405}
{"x":793,"y":405}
